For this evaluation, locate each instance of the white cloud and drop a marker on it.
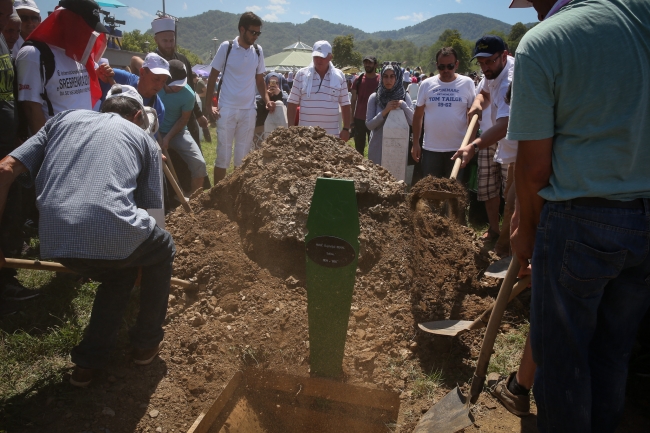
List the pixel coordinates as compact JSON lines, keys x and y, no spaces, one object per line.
{"x":315,"y":16}
{"x":277,"y":9}
{"x":253,"y":8}
{"x":458,"y":1}
{"x":415,"y":16}
{"x":270,"y":17}
{"x":138,"y":14}
{"x":305,"y":13}
{"x":279,"y":2}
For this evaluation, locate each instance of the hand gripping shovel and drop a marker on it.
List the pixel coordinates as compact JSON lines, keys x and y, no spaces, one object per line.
{"x":452,"y":412}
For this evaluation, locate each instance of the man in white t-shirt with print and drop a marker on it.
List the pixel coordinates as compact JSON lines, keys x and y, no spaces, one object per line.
{"x":243,"y":71}
{"x":445,"y":99}
{"x":69,"y":87}
{"x":319,"y":90}
{"x":491,"y":54}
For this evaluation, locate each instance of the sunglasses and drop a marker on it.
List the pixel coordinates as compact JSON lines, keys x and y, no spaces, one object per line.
{"x":449,"y":66}
{"x":33,"y":18}
{"x":253,"y":32}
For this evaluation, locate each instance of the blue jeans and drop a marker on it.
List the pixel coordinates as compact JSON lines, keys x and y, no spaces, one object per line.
{"x":591,"y":288}
{"x":117,"y":277}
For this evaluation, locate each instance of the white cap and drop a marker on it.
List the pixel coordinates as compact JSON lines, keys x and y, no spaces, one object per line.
{"x":521,"y":4}
{"x":26,"y":4}
{"x":321,"y":49}
{"x":129,"y":92}
{"x":156,"y":64}
{"x":164,"y":24}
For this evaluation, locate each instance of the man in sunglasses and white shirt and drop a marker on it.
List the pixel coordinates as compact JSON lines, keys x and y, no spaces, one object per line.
{"x":242,"y":63}
{"x":445,"y":99}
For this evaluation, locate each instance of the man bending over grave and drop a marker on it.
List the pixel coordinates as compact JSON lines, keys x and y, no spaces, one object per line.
{"x":100,"y":228}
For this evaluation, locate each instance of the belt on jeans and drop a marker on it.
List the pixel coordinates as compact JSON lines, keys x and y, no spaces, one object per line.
{"x":604,"y":202}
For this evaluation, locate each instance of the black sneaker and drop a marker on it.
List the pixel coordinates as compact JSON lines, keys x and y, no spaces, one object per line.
{"x":7,"y":308}
{"x":14,"y":291}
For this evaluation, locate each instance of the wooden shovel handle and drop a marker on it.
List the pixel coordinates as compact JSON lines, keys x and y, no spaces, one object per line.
{"x":177,"y":189}
{"x":58,"y":267}
{"x":519,"y":287}
{"x":492,"y":328}
{"x":468,"y":135}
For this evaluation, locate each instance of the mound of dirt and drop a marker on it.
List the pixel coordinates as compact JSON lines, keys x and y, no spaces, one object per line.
{"x":245,"y":247}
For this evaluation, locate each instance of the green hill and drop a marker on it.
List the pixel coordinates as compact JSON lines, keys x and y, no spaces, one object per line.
{"x":196,"y":33}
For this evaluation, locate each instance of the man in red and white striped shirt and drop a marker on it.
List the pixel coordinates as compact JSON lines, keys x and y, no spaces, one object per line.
{"x":319,"y":90}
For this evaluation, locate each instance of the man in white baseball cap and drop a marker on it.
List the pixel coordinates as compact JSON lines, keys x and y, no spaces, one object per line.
{"x":153,"y":76}
{"x":319,"y":90}
{"x":30,"y":17}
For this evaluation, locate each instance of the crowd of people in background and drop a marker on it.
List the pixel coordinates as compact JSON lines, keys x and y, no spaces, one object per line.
{"x":85,"y":142}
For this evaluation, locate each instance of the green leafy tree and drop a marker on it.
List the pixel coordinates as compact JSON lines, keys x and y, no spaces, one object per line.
{"x":343,"y":52}
{"x":137,"y":41}
{"x":517,"y":31}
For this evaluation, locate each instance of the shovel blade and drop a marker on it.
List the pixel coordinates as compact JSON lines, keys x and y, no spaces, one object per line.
{"x":499,"y":268}
{"x":450,"y":328}
{"x":447,"y":416}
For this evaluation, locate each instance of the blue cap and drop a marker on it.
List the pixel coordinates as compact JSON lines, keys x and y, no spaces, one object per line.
{"x":488,"y":45}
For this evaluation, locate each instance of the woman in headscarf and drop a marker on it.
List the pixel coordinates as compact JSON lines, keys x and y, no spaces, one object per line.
{"x":389,"y":96}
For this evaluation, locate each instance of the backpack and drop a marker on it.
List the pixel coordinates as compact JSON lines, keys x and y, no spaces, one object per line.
{"x":46,"y":69}
{"x":223,"y":73}
{"x":47,"y":66}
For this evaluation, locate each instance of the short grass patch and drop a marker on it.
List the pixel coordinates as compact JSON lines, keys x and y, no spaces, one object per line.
{"x":508,"y":348}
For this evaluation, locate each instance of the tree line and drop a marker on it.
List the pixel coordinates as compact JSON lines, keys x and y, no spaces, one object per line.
{"x":348,"y":52}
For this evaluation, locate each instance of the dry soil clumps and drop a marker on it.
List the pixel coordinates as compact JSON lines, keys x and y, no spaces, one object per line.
{"x":245,"y":247}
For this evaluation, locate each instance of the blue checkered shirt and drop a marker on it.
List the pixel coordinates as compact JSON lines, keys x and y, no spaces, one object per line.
{"x":95,"y":174}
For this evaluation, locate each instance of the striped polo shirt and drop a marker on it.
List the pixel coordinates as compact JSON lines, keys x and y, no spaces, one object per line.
{"x":321,"y":108}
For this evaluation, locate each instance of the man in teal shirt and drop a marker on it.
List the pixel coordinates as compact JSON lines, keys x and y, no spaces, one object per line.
{"x":583,"y":184}
{"x":178,"y":99}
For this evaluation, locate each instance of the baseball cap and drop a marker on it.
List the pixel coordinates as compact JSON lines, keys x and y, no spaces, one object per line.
{"x":156,"y":64}
{"x":521,"y":4}
{"x":321,"y":49}
{"x":488,"y":45}
{"x":129,"y":92}
{"x":26,"y":4}
{"x":86,"y":9}
{"x":177,"y":73}
{"x":373,"y":59}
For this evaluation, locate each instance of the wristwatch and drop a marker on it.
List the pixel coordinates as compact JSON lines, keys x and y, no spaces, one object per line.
{"x":475,"y":147}
{"x":346,"y":129}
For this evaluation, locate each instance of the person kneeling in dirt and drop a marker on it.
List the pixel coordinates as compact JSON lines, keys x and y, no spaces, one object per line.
{"x":95,"y":174}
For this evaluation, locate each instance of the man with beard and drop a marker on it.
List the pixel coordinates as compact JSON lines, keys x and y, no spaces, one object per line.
{"x":365,"y":85}
{"x":164,"y":29}
{"x":242,"y":63}
{"x":492,"y":56}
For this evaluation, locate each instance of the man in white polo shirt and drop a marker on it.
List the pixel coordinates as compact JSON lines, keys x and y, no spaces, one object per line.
{"x":242,"y":64}
{"x":319,"y":90}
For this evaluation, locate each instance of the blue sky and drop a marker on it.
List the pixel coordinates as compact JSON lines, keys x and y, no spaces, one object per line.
{"x":369,"y":16}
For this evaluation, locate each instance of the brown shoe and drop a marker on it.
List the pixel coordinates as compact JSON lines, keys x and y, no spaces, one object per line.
{"x":516,"y":404}
{"x":145,"y":356}
{"x":81,"y":377}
